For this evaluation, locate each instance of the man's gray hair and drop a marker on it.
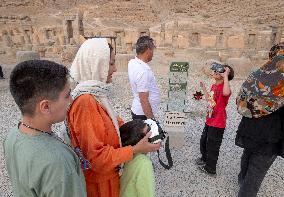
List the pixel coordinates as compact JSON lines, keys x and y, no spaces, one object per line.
{"x":143,"y":43}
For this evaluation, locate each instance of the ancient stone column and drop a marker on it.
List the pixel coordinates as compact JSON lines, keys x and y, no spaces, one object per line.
{"x":7,"y":39}
{"x":162,"y":35}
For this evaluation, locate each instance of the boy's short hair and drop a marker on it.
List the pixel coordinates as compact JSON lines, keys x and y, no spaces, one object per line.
{"x":132,"y":132}
{"x":231,"y":74}
{"x":33,"y":80}
{"x":143,"y":43}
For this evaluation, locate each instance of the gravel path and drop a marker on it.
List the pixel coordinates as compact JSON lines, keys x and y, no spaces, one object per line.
{"x":183,"y":179}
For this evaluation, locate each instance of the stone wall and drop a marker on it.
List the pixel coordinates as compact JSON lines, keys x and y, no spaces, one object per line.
{"x":59,"y":39}
{"x":53,"y":40}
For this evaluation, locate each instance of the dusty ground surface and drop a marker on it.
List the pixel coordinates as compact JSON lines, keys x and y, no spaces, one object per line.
{"x":184,"y":179}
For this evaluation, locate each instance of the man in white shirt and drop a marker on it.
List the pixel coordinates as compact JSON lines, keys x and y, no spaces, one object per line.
{"x":143,"y":82}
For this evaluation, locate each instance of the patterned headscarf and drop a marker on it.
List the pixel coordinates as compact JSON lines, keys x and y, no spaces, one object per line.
{"x":263,"y":91}
{"x":275,"y":49}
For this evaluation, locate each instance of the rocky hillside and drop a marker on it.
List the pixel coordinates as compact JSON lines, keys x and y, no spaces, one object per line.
{"x":151,"y":12}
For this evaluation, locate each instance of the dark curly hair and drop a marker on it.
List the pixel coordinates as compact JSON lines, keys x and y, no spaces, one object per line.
{"x":33,"y":80}
{"x":132,"y":132}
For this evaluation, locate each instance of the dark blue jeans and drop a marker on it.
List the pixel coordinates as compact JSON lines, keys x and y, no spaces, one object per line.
{"x":254,"y":167}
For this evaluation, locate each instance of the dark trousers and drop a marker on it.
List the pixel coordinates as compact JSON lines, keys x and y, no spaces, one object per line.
{"x":141,"y":117}
{"x":254,"y":167}
{"x":210,"y":142}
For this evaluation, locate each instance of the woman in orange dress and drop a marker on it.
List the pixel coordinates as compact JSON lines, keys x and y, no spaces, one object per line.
{"x":93,"y":124}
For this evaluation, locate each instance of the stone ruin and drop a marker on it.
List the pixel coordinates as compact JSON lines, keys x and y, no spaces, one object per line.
{"x":58,"y":36}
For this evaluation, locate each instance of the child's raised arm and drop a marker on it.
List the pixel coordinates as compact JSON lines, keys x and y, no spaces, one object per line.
{"x":226,"y":88}
{"x":204,"y":90}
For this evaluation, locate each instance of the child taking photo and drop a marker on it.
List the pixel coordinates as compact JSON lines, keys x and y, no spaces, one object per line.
{"x":215,"y":123}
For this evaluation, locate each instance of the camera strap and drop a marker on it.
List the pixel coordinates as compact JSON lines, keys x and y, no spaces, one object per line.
{"x":168,"y":155}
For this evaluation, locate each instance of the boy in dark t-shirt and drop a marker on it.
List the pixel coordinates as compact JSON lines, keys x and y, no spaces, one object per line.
{"x":215,"y":123}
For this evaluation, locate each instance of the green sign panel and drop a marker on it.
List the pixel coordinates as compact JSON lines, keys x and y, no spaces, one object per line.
{"x":177,"y":86}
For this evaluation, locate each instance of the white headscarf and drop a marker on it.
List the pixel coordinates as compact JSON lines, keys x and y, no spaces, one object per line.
{"x":90,"y":70}
{"x":91,"y":61}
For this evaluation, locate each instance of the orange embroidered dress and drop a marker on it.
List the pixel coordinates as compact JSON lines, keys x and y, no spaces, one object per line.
{"x":92,"y":130}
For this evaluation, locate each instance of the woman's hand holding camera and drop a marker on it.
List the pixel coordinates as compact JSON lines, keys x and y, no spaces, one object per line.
{"x":144,"y":146}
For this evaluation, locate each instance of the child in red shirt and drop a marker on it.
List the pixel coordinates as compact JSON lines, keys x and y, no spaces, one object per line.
{"x":215,"y":124}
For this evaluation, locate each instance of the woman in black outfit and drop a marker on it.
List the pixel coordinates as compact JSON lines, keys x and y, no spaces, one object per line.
{"x":262,"y":140}
{"x":261,"y":130}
